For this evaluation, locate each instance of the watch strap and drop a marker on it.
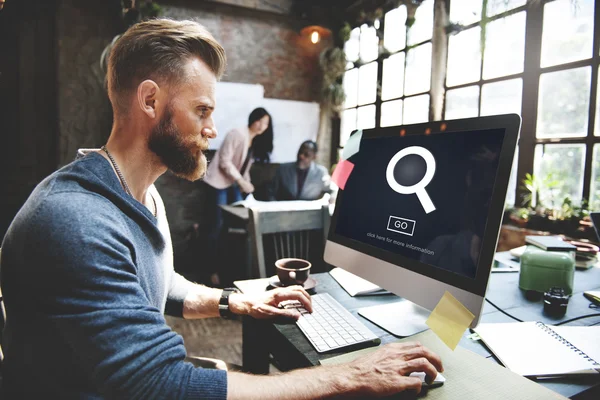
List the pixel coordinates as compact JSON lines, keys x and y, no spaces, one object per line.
{"x":224,"y":310}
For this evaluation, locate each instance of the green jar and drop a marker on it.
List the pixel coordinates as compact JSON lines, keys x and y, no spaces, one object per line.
{"x":541,"y":270}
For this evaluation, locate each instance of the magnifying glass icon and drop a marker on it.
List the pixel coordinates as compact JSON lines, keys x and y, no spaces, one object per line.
{"x":418,"y":188}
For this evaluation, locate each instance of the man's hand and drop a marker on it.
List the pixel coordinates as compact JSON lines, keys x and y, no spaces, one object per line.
{"x":266,"y":305}
{"x":385,"y":371}
{"x":381,"y":373}
{"x":245,"y":186}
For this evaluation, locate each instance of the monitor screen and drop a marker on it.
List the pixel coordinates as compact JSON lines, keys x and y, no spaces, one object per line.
{"x":421,"y":208}
{"x":423,"y":199}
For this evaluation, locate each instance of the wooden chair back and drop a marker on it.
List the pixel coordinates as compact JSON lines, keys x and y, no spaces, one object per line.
{"x":283,"y":234}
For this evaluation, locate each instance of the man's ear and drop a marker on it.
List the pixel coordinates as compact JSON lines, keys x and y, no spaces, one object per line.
{"x":147,"y":97}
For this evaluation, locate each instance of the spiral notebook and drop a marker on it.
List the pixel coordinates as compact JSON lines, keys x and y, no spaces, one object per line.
{"x":539,"y":350}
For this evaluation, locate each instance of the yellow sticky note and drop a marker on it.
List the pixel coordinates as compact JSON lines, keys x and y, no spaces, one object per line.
{"x":449,"y":319}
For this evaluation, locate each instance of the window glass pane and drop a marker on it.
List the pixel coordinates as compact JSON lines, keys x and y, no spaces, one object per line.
{"x":351,"y":88}
{"x":367,"y":83}
{"x":502,"y":97}
{"x":597,"y":124}
{"x":464,"y":57}
{"x":369,"y":43}
{"x":495,"y":7}
{"x":365,"y":117}
{"x":393,"y":77}
{"x":512,"y":182}
{"x":595,"y":186}
{"x":559,"y":171}
{"x":563,"y":104}
{"x":465,"y":12}
{"x":347,"y":125}
{"x":394,"y":36}
{"x":351,"y":46}
{"x":462,"y":103}
{"x":418,"y":70}
{"x":416,"y":109}
{"x":504,"y":46}
{"x":568,"y":31}
{"x":391,"y":113}
{"x":422,"y":29}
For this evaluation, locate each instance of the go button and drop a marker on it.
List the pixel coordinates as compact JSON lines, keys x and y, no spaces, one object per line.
{"x":401,"y":225}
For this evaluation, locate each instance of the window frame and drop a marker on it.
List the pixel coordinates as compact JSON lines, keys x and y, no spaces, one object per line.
{"x":531,"y":86}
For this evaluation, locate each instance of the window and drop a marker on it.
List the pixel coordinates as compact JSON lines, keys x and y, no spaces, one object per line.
{"x":495,"y":64}
{"x":401,"y":71}
{"x":406,"y":73}
{"x":566,"y":140}
{"x":360,"y":81}
{"x":486,"y":62}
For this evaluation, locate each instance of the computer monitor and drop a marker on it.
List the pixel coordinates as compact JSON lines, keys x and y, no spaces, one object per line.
{"x":595,"y":217}
{"x":421,"y":210}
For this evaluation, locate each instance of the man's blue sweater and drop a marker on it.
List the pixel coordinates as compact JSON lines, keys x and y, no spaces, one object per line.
{"x":86,"y":274}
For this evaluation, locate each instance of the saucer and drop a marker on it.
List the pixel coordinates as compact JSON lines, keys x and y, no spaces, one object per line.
{"x":309,"y":284}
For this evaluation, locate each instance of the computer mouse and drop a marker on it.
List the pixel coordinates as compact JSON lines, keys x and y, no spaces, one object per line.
{"x":438,"y":381}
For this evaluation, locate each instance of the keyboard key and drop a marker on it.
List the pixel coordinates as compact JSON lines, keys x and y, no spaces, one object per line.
{"x":331,"y":326}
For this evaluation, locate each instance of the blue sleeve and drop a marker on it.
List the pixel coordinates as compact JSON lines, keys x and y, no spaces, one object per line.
{"x":86,"y":285}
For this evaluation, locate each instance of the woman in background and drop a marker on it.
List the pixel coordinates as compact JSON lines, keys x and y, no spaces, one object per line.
{"x":228,"y":174}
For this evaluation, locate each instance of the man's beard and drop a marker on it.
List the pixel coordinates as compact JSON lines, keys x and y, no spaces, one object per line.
{"x":184,"y":159}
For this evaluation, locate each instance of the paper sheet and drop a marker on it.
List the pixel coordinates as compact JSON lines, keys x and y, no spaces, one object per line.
{"x":449,"y":320}
{"x":289,"y":205}
{"x":585,"y":338}
{"x":352,"y":146}
{"x":530,"y":349}
{"x":341,"y":173}
{"x":355,"y":285}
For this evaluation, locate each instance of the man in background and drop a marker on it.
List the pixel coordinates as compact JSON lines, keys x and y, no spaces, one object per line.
{"x":303,"y":179}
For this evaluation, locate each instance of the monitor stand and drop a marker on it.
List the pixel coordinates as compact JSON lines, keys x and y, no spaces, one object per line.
{"x":403,"y":318}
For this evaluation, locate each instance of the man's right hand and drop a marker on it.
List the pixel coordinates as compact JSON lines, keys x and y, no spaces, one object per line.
{"x":378,"y":374}
{"x":385,"y":371}
{"x":245,"y":186}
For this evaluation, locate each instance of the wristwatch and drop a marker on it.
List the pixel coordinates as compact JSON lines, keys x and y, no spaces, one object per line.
{"x":224,"y":310}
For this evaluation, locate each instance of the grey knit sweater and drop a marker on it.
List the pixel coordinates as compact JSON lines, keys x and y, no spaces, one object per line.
{"x":86,"y":274}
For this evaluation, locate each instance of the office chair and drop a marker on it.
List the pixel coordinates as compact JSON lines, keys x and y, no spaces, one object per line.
{"x":282,"y":234}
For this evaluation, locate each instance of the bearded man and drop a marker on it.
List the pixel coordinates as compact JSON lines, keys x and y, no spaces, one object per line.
{"x":87,"y":263}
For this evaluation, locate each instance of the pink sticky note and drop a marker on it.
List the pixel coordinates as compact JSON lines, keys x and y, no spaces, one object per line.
{"x":341,"y":173}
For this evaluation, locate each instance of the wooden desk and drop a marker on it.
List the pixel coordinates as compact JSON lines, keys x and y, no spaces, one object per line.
{"x":290,"y":349}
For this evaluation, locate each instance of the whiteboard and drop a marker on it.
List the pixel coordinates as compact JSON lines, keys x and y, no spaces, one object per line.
{"x":293,"y":123}
{"x":235,"y":102}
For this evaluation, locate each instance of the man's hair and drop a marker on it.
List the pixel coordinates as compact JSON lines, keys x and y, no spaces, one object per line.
{"x":158,"y":49}
{"x":311,"y":144}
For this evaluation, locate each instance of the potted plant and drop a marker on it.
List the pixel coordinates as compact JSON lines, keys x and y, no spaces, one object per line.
{"x":545,"y":211}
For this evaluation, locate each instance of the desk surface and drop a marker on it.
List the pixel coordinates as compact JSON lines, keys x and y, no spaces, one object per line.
{"x":288,"y":340}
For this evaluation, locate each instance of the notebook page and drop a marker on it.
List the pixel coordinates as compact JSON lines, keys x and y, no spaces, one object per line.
{"x":529,"y":350}
{"x":585,"y":338}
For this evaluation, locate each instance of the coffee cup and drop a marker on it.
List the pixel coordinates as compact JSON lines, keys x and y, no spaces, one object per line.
{"x":292,"y":271}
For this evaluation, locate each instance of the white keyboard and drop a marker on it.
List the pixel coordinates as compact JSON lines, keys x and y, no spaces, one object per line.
{"x":331,"y":326}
